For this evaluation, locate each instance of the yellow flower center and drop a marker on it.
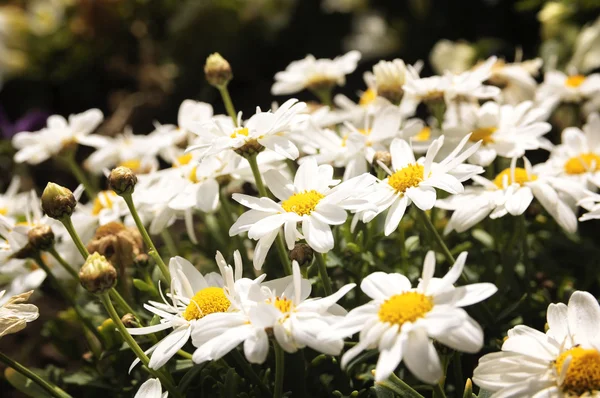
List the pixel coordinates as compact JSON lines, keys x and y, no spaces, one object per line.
{"x":134,"y":164}
{"x":183,"y":160}
{"x":302,"y":203}
{"x":574,"y":81}
{"x":192,"y":176}
{"x":104,"y":200}
{"x":409,"y":176}
{"x":483,"y":134}
{"x":344,"y":141}
{"x":521,"y":177}
{"x":405,"y":307}
{"x":424,"y":134}
{"x":582,"y":163}
{"x":364,"y":131}
{"x":583,"y":373}
{"x":3,"y":211}
{"x":243,"y":132}
{"x":367,"y":97}
{"x":282,"y":304}
{"x":207,"y":301}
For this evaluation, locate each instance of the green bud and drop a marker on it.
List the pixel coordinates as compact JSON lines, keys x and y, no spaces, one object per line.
{"x":41,"y":237}
{"x":97,"y":275}
{"x":122,"y":180}
{"x":217,"y":70}
{"x":58,"y":202}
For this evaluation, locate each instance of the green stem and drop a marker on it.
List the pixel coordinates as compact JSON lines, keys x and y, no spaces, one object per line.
{"x":133,"y":345}
{"x":152,"y":252}
{"x":169,"y":242}
{"x":249,"y":372}
{"x":260,"y":186}
{"x":438,"y":391}
{"x":122,"y":303}
{"x":66,"y":221}
{"x":324,"y":95}
{"x":64,"y":264}
{"x":184,"y":354}
{"x":279,"y":370}
{"x":228,"y":103}
{"x":458,"y":374}
{"x":227,"y":212}
{"x":50,"y":388}
{"x":323,"y":273}
{"x":80,"y":175}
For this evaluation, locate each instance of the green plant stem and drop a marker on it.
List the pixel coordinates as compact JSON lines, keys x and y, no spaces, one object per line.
{"x":147,"y":240}
{"x":87,"y":323}
{"x":122,"y":303}
{"x":323,"y":273}
{"x":262,"y":191}
{"x":438,"y":391}
{"x":458,"y":374}
{"x":50,"y":388}
{"x":165,"y":379}
{"x":66,"y":221}
{"x":227,"y":212}
{"x":228,"y":103}
{"x":324,"y":95}
{"x":64,"y":264}
{"x":184,"y":354}
{"x":79,"y":175}
{"x":279,"y":370}
{"x":249,"y":372}
{"x":169,"y":242}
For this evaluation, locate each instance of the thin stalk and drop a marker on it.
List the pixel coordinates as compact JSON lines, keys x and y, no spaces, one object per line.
{"x":228,"y":103}
{"x":184,"y":354}
{"x":279,"y":370}
{"x":133,"y":345}
{"x":147,"y":240}
{"x":169,"y":242}
{"x":249,"y":372}
{"x":262,"y":191}
{"x":50,"y":388}
{"x":80,"y":175}
{"x":323,"y":273}
{"x":126,"y":308}
{"x":64,"y":264}
{"x":458,"y":374}
{"x":324,"y":95}
{"x":438,"y":391}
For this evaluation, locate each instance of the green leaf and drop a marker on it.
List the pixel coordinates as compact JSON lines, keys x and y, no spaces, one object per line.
{"x":142,"y":286}
{"x":25,"y":385}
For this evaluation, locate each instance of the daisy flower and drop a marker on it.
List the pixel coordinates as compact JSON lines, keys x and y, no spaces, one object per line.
{"x":309,"y":199}
{"x":192,"y":113}
{"x":415,"y":181}
{"x":59,"y":134}
{"x":315,"y":74}
{"x":193,"y":296}
{"x":504,"y":130}
{"x":10,"y":203}
{"x":15,"y":313}
{"x":564,"y":362}
{"x":281,"y":306}
{"x":151,"y":389}
{"x":401,"y":321}
{"x":568,"y":88}
{"x":515,"y":80}
{"x":262,"y":130}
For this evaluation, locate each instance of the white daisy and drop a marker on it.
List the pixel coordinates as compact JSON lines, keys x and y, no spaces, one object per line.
{"x":15,"y":314}
{"x":58,"y":134}
{"x":401,"y":321}
{"x":415,"y":181}
{"x":309,"y":199}
{"x":564,"y":362}
{"x":315,"y":74}
{"x":10,"y":203}
{"x":568,"y":88}
{"x":515,"y":80}
{"x":151,"y":389}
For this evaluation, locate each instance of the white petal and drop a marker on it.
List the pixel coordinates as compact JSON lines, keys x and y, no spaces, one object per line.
{"x":421,"y":357}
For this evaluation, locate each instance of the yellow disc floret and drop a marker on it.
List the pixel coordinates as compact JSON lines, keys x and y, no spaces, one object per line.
{"x":302,"y":203}
{"x":104,"y":200}
{"x":521,"y":177}
{"x":405,"y":307}
{"x":574,"y":81}
{"x":483,"y":134}
{"x":582,"y":163}
{"x":367,"y":97}
{"x":3,"y":211}
{"x":409,"y":176}
{"x":134,"y":164}
{"x":283,"y":304}
{"x":207,"y":301}
{"x":243,"y":132}
{"x":424,"y":134}
{"x":582,"y":374}
{"x":183,"y":160}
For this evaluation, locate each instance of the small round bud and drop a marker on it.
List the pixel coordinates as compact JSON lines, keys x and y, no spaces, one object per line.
{"x":97,"y":275}
{"x":302,"y":253}
{"x":217,"y":70}
{"x":41,"y":237}
{"x":142,"y":260}
{"x":383,"y":157}
{"x":122,"y":180}
{"x":58,"y":202}
{"x":130,"y":321}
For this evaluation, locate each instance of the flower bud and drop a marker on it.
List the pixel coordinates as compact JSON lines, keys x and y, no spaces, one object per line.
{"x":58,"y":202}
{"x":122,"y":180}
{"x":217,"y":70}
{"x":130,"y":321}
{"x":383,"y":157}
{"x":302,"y":253}
{"x":41,"y":237}
{"x":468,"y":393}
{"x":97,"y":275}
{"x":142,"y":260}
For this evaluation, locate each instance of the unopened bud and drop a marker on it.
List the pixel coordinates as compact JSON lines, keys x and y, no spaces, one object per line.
{"x":468,"y":389}
{"x":122,"y":180}
{"x":142,"y":260}
{"x":58,"y":202}
{"x":97,"y":275}
{"x":130,"y":321}
{"x":383,"y":157}
{"x":41,"y":237}
{"x":302,"y":253}
{"x":217,"y":70}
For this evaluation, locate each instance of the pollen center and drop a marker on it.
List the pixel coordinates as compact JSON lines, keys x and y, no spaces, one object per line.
{"x":582,"y":374}
{"x":282,"y":304}
{"x":409,"y":176}
{"x":483,"y":134}
{"x":424,"y":134}
{"x":207,"y":301}
{"x":405,"y":307}
{"x":302,"y":203}
{"x":3,"y":211}
{"x":134,"y":164}
{"x":521,"y":177}
{"x":104,"y":200}
{"x":582,"y":163}
{"x":574,"y":81}
{"x":183,"y":160}
{"x":367,"y":97}
{"x":243,"y":132}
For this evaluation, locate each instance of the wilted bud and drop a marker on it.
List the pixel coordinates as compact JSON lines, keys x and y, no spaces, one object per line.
{"x":142,"y":260}
{"x":118,"y":243}
{"x":41,"y":237}
{"x":130,"y":321}
{"x":217,"y":70}
{"x":383,"y":157}
{"x":122,"y":180}
{"x":58,"y":202}
{"x":97,"y":275}
{"x":302,"y":253}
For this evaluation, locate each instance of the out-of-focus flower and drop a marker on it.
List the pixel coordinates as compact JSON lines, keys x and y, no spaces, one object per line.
{"x":371,"y":36}
{"x":151,"y":389}
{"x":16,"y":313}
{"x":586,"y":55}
{"x":454,"y":57}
